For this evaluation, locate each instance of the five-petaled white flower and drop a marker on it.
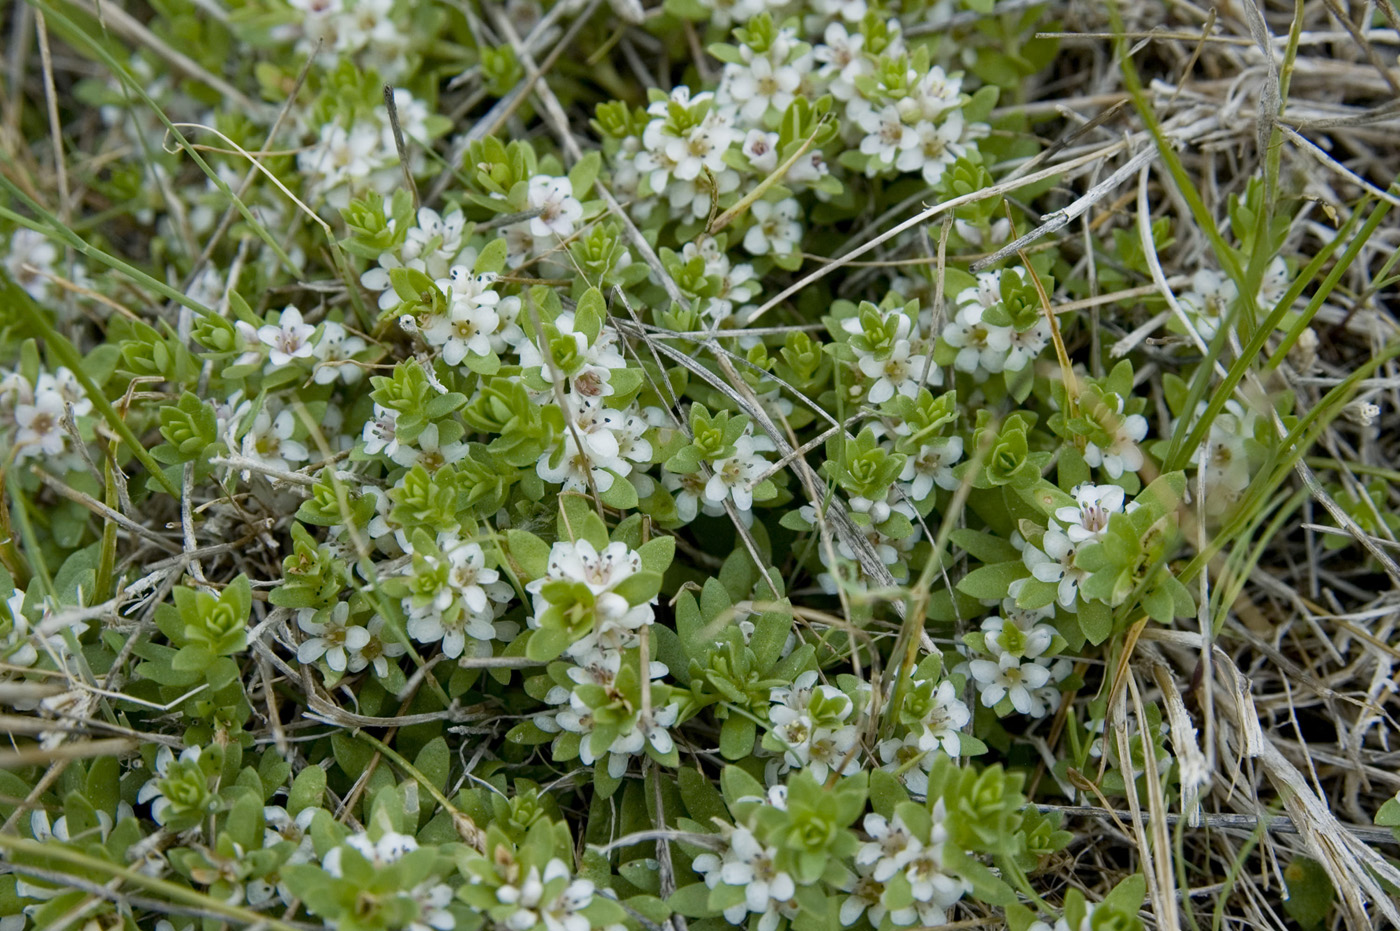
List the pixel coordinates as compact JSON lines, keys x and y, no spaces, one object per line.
{"x":288,"y":339}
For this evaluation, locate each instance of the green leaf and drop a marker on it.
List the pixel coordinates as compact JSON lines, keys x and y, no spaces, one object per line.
{"x":986,"y":885}
{"x":701,"y":799}
{"x":582,"y":175}
{"x":639,"y":587}
{"x":1127,"y":896}
{"x":546,"y":644}
{"x":435,"y":761}
{"x":492,"y":257}
{"x":528,"y":552}
{"x":1095,"y":620}
{"x":984,"y":547}
{"x":590,"y":314}
{"x":991,"y":583}
{"x":886,"y":792}
{"x":308,"y":789}
{"x":621,"y":494}
{"x":658,"y":553}
{"x":736,"y":737}
{"x":737,"y":784}
{"x":1310,"y":892}
{"x":693,"y":901}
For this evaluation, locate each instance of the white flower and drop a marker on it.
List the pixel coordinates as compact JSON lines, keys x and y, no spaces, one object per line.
{"x":575,"y":467}
{"x":334,"y":350}
{"x":760,"y":86}
{"x":429,"y":625}
{"x":753,"y":868}
{"x":1055,"y":563}
{"x":288,"y":339}
{"x":700,"y":148}
{"x":469,"y":577}
{"x":890,"y":848}
{"x":1122,"y":454}
{"x":341,"y":158}
{"x":775,"y":230}
{"x":688,"y":489}
{"x":909,"y":758}
{"x":1009,"y":677}
{"x":1030,"y":639}
{"x":933,"y":465}
{"x":886,"y":135}
{"x":936,"y":147}
{"x":936,"y":92}
{"x":151,"y":790}
{"x":40,"y":425}
{"x":30,"y":261}
{"x":270,"y":442}
{"x":897,"y":373}
{"x":843,"y":60}
{"x":735,"y":476}
{"x":1273,"y":284}
{"x":1223,"y":459}
{"x":381,"y":432}
{"x":428,"y":450}
{"x":390,"y":848}
{"x":558,"y":209}
{"x":761,"y":149}
{"x":1088,"y":521}
{"x":865,"y":896}
{"x":334,"y":638}
{"x":436,"y":242}
{"x":15,"y":646}
{"x":982,"y":347}
{"x":944,"y":721}
{"x":1208,"y":302}
{"x":579,"y":561}
{"x":466,"y":329}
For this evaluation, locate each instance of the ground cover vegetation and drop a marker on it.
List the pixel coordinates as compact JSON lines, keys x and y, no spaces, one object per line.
{"x":695,"y":464}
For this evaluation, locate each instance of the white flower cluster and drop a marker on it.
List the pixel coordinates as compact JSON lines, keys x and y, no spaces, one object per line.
{"x":818,"y":728}
{"x":32,"y":418}
{"x":329,"y":347}
{"x":617,"y":623}
{"x":1053,"y":561}
{"x":343,"y":28}
{"x":1212,"y":295}
{"x":597,"y":656}
{"x":894,"y":849}
{"x":903,"y":365}
{"x":432,"y":899}
{"x":345,"y":160}
{"x":600,"y":667}
{"x":600,"y":445}
{"x":464,"y":606}
{"x":687,"y":153}
{"x":1018,"y":669}
{"x":938,"y":730}
{"x":1222,"y":460}
{"x":915,"y":127}
{"x":433,"y":246}
{"x":986,"y":348}
{"x":346,"y":646}
{"x":739,"y":285}
{"x":744,"y":861}
{"x":534,"y":904}
{"x":1123,"y":453}
{"x":557,"y":212}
